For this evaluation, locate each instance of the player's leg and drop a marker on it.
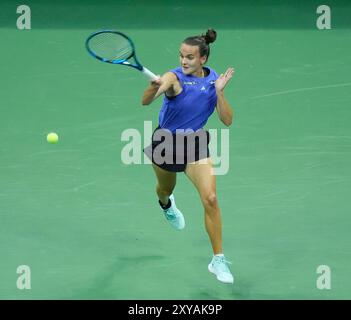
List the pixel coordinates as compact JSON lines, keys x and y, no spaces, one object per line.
{"x":166,"y":182}
{"x":204,"y":180}
{"x":201,"y":175}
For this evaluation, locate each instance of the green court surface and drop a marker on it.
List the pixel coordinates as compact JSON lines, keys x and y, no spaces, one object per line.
{"x":89,"y":226}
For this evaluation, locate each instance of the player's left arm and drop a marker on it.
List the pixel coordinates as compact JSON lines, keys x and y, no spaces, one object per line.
{"x":224,"y":110}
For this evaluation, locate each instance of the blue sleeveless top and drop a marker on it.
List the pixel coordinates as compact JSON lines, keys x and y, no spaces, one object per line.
{"x":193,"y":106}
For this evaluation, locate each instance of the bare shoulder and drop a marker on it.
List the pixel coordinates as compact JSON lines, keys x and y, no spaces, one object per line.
{"x":171,"y":84}
{"x":169,"y":77}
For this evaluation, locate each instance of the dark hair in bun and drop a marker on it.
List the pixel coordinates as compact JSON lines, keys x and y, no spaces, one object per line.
{"x":203,"y":42}
{"x":210,"y":36}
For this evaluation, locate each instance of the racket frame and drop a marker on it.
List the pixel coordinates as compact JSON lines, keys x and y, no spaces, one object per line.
{"x":124,"y":62}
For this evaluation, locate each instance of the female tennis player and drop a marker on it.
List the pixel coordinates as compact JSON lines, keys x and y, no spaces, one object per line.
{"x":191,"y":94}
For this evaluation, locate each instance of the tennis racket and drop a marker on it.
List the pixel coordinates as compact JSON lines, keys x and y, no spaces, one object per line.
{"x":116,"y":48}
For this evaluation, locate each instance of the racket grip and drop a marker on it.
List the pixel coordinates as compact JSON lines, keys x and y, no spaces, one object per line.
{"x":149,"y":74}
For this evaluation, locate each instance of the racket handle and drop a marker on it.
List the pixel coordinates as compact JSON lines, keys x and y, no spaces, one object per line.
{"x":149,"y":74}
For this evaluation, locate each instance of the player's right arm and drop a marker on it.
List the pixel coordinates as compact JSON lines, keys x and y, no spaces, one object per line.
{"x":158,"y":87}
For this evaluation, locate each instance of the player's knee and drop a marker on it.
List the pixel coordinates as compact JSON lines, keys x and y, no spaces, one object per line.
{"x":210,"y":200}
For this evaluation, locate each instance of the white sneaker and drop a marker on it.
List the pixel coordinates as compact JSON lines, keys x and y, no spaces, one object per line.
{"x":219,"y":267}
{"x":174,"y":216}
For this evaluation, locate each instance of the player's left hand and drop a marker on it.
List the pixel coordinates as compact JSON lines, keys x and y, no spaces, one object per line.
{"x":223,"y":79}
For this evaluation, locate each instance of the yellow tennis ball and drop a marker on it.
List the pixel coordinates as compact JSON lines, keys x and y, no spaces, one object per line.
{"x":52,"y":137}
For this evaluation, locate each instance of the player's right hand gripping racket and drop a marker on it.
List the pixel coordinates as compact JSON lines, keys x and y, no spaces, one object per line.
{"x":116,"y":48}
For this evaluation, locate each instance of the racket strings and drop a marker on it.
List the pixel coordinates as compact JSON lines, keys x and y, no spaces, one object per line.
{"x":110,"y":46}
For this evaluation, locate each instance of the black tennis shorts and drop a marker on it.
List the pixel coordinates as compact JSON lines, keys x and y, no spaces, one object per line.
{"x":172,"y":151}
